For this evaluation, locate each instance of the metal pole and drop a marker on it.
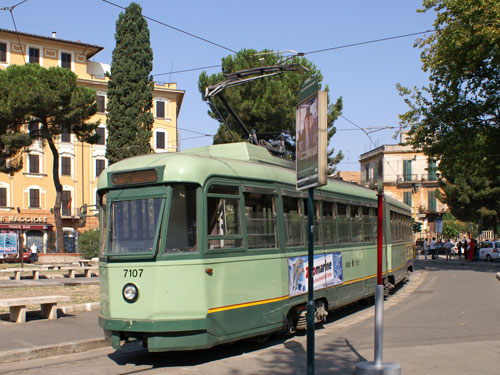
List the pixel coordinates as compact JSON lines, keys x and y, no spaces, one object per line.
{"x":378,"y":367}
{"x":379,"y":291}
{"x":310,"y":284}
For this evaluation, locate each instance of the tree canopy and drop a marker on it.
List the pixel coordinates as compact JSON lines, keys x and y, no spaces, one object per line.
{"x":456,"y":117}
{"x":265,"y":105}
{"x":130,"y":88}
{"x":51,"y":100}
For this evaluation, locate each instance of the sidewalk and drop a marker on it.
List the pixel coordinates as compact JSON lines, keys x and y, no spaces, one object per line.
{"x":75,"y":330}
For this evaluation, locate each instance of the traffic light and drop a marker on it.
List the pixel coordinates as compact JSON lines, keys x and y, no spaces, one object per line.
{"x":417,"y":226}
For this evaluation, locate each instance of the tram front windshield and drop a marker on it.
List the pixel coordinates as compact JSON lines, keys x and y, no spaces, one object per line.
{"x":134,"y":224}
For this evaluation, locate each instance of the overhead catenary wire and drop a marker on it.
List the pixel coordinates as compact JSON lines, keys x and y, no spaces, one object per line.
{"x":176,"y":28}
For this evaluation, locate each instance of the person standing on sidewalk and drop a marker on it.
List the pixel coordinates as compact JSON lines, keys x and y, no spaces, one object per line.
{"x":459,"y":249}
{"x":447,"y":249}
{"x":432,"y":247}
{"x":426,"y":248}
{"x":472,"y":249}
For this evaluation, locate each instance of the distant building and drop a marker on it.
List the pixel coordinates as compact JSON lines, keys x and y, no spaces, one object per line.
{"x":27,"y":197}
{"x":349,"y":176}
{"x":409,"y":176}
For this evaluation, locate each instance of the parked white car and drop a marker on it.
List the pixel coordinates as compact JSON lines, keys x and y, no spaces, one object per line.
{"x":489,"y":250}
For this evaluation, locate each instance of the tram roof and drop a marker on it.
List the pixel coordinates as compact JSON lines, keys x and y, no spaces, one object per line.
{"x":233,"y":160}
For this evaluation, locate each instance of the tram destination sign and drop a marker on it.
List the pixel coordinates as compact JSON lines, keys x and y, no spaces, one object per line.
{"x":134,"y":177}
{"x":311,"y":137}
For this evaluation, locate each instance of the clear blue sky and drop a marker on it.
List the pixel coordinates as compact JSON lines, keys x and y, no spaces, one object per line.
{"x":365,"y":76}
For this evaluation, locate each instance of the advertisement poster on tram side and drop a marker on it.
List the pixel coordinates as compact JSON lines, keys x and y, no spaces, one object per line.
{"x":327,"y":272}
{"x":8,"y":244}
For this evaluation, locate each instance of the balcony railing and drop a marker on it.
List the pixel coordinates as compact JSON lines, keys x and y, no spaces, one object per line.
{"x":424,"y":177}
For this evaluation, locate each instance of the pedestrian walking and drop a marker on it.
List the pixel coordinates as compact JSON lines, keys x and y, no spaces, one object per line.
{"x":465,"y":246}
{"x":459,"y":249}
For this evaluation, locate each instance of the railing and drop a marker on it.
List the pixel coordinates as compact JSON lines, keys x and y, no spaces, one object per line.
{"x":402,"y":178}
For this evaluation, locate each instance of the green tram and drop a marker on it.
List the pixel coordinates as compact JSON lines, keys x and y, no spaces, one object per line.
{"x":209,"y":246}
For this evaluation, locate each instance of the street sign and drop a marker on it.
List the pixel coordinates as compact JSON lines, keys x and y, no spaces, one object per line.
{"x":311,"y":136}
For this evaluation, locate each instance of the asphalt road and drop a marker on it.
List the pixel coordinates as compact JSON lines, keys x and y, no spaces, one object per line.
{"x":445,"y":321}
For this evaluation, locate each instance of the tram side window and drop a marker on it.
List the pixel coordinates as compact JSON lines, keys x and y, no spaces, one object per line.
{"x":317,"y":221}
{"x":224,"y":229}
{"x":373,"y":218}
{"x":294,"y":225}
{"x":343,"y":223}
{"x":367,"y":231}
{"x":260,"y":217}
{"x":182,"y":222}
{"x":355,"y":224}
{"x":329,"y":222}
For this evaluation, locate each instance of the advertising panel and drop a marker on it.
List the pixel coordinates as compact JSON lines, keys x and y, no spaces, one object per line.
{"x":327,"y":272}
{"x":311,"y":124}
{"x":8,"y":244}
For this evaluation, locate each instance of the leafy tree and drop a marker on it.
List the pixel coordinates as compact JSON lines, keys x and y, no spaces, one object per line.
{"x":88,"y":243}
{"x":265,"y":105}
{"x":456,"y":118}
{"x":51,"y":99}
{"x":130,"y":88}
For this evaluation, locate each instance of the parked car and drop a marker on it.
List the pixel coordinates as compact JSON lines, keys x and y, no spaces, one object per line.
{"x":489,"y":250}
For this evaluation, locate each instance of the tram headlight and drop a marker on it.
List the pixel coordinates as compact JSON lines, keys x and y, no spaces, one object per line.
{"x":130,"y":293}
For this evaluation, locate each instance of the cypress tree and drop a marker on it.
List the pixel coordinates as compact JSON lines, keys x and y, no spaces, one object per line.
{"x":130,"y":88}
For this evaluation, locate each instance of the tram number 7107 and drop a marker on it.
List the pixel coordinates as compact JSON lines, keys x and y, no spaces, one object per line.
{"x":132,"y":272}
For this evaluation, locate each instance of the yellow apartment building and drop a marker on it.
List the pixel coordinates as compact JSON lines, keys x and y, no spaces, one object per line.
{"x":27,"y":197}
{"x":409,"y":176}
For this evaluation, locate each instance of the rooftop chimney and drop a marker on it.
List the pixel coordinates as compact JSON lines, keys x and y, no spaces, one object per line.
{"x":53,"y":34}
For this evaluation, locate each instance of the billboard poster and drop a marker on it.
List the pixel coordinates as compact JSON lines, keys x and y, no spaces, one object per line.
{"x":8,"y":244}
{"x":311,"y":123}
{"x":327,"y":272}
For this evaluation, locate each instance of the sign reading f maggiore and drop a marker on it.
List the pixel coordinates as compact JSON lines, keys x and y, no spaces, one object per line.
{"x":311,"y":136}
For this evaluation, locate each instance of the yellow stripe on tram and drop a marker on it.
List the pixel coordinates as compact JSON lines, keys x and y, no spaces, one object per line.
{"x":247,"y":304}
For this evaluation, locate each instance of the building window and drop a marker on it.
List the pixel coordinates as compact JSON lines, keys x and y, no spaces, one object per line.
{"x":100,"y":165}
{"x":65,"y":136}
{"x":102,"y":136}
{"x":407,"y":170}
{"x":34,"y":161}
{"x":431,"y":200}
{"x":407,"y":198}
{"x":367,"y":174}
{"x":34,"y":55}
{"x":65,"y":60}
{"x":160,"y":140}
{"x":34,"y":129}
{"x":3,"y":52}
{"x":101,"y":103}
{"x":34,"y":198}
{"x":432,"y":170}
{"x":3,"y":197}
{"x":65,"y":166}
{"x":160,"y":109}
{"x":66,"y":203}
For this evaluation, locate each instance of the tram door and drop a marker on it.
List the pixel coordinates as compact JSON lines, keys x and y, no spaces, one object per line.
{"x":34,"y":237}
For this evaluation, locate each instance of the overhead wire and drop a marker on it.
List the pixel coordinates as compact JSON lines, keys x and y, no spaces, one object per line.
{"x":176,"y":29}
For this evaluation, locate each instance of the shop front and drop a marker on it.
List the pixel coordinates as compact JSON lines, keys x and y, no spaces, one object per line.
{"x":31,"y":230}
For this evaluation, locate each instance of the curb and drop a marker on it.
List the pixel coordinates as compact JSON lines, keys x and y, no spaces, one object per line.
{"x":53,"y":350}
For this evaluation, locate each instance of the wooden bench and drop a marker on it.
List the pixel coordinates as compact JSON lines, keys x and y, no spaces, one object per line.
{"x":17,"y":306}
